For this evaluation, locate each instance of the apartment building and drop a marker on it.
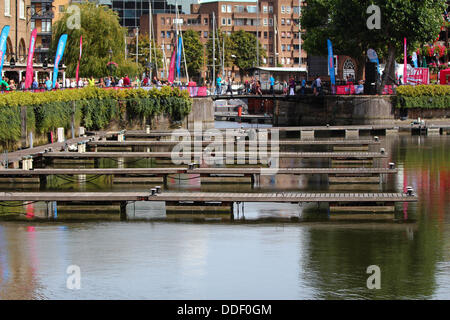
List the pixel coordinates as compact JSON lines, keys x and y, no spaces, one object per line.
{"x":274,"y":22}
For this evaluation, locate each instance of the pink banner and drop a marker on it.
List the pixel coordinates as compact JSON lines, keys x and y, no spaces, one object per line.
{"x":405,"y":62}
{"x":79,"y":58}
{"x":419,"y":76}
{"x":172,"y":65}
{"x":29,"y":74}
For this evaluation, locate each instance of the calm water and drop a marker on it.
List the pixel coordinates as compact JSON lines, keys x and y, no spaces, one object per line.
{"x":251,"y":259}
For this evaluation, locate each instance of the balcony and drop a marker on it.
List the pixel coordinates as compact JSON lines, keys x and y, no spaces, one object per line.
{"x":44,"y":33}
{"x":43,"y":15}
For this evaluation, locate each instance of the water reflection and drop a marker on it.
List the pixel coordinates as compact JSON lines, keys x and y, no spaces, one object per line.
{"x":245,"y":259}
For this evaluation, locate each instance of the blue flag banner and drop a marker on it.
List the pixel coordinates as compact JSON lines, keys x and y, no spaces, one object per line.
{"x":59,"y":54}
{"x":414,"y":60}
{"x":3,"y":38}
{"x":331,"y":63}
{"x":373,"y":57}
{"x":179,"y":56}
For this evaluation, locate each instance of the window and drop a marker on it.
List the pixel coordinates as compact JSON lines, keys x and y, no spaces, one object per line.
{"x":239,"y":22}
{"x":251,"y":9}
{"x":265,"y":9}
{"x":349,"y":69}
{"x":163,"y":20}
{"x":163,"y":34}
{"x":32,"y":25}
{"x":61,"y":9}
{"x":270,"y":9}
{"x":296,"y":10}
{"x":224,"y":8}
{"x":229,"y":9}
{"x":46,"y":25}
{"x":224,"y":21}
{"x":288,"y":34}
{"x":22,"y":9}
{"x":282,"y":22}
{"x":288,"y":47}
{"x":205,"y":34}
{"x":167,"y":46}
{"x":229,"y":22}
{"x":168,"y":34}
{"x":265,"y":21}
{"x":288,"y":60}
{"x":265,"y":46}
{"x":270,"y":34}
{"x":283,"y":10}
{"x":282,"y":60}
{"x":288,"y":22}
{"x":168,"y":21}
{"x":283,"y":47}
{"x":205,"y":21}
{"x":288,"y":9}
{"x":270,"y":22}
{"x":283,"y":34}
{"x":239,"y":9}
{"x":7,"y":7}
{"x":265,"y":34}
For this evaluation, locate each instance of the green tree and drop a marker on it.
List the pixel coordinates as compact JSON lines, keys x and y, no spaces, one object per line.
{"x":244,"y":50}
{"x":344,"y":22}
{"x":101,"y":33}
{"x":194,"y":52}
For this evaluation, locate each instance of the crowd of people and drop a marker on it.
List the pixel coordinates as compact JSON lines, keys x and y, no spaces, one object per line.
{"x":253,"y":86}
{"x":105,"y":82}
{"x":223,"y":85}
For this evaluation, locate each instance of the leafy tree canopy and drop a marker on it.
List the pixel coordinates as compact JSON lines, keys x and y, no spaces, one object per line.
{"x":101,"y":33}
{"x":344,"y":22}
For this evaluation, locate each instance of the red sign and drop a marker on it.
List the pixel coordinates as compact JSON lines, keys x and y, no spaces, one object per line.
{"x":419,"y":76}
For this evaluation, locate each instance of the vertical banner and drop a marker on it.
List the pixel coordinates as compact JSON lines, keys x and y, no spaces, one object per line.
{"x":405,"y":60}
{"x":79,"y":59}
{"x":29,"y":74}
{"x":172,"y":65}
{"x":414,"y":59}
{"x":331,"y":65}
{"x":373,"y":57}
{"x":180,"y":46}
{"x":3,"y":38}
{"x":59,"y":54}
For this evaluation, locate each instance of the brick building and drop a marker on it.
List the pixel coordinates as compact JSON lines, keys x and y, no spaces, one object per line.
{"x":275,"y":22}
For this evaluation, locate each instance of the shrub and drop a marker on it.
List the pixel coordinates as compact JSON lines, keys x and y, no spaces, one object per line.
{"x":95,"y":108}
{"x":422,"y":96}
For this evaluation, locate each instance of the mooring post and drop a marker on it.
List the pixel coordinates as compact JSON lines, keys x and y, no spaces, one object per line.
{"x":123,"y":211}
{"x":31,"y":140}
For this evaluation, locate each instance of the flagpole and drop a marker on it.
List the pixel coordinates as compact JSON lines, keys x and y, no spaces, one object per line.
{"x":214,"y":55}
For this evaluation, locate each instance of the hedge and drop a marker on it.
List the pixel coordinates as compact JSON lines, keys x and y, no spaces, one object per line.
{"x":423,"y":96}
{"x":94,"y":108}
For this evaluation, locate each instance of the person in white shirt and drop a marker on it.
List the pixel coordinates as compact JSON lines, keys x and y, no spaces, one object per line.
{"x":120,"y":84}
{"x":67,"y":83}
{"x":80,"y":83}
